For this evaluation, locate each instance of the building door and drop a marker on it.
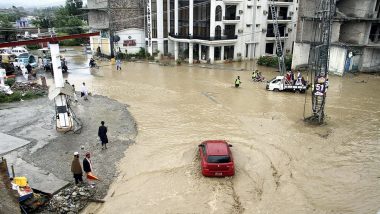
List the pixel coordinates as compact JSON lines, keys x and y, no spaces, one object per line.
{"x":229,"y":52}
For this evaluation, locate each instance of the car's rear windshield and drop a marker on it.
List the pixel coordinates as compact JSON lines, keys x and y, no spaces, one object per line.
{"x":218,"y":159}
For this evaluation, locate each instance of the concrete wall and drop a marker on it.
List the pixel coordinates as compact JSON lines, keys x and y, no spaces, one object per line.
{"x":127,"y":18}
{"x":124,"y":14}
{"x":103,"y":43}
{"x":300,"y":54}
{"x":337,"y":60}
{"x":370,"y":60}
{"x":92,"y":4}
{"x":356,"y":8}
{"x":98,"y":19}
{"x":336,"y":28}
{"x":306,"y":8}
{"x":131,"y":34}
{"x":354,"y":33}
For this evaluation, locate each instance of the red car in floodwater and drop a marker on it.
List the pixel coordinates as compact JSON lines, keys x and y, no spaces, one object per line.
{"x":216,"y":158}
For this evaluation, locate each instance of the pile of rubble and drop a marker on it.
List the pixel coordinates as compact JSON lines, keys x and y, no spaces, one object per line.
{"x":29,"y":87}
{"x":72,"y":199}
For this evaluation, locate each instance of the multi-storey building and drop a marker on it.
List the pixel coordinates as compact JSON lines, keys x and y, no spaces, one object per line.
{"x":355,"y":44}
{"x":121,"y":19}
{"x":217,"y":30}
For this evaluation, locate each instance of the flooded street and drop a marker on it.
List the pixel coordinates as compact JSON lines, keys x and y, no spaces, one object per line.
{"x":282,"y":165}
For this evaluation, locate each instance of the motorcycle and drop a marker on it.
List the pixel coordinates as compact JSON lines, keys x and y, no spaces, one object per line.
{"x":92,"y":64}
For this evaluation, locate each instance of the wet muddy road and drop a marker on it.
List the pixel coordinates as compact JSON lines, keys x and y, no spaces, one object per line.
{"x":282,"y":165}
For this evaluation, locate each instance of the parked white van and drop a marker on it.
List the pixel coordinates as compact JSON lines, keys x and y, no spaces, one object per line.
{"x":19,"y":50}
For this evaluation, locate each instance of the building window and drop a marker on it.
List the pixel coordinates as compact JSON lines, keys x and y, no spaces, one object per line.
{"x":183,"y":18}
{"x":269,"y":48}
{"x":218,"y":13}
{"x":165,"y":5}
{"x":154,"y":18}
{"x":201,"y":26}
{"x":218,"y":32}
{"x":171,"y":30}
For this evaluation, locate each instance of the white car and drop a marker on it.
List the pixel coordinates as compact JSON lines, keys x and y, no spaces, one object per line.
{"x":19,"y":50}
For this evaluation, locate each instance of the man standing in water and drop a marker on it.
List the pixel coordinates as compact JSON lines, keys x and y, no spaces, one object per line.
{"x":84,"y":92}
{"x":118,"y":64}
{"x":102,"y":133}
{"x":237,"y":82}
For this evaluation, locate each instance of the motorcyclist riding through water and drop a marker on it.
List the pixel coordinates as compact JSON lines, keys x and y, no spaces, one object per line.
{"x":92,"y":63}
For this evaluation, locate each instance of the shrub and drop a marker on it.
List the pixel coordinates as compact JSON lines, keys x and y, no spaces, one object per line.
{"x":272,"y":61}
{"x":269,"y":61}
{"x":17,"y":96}
{"x":33,"y":47}
{"x":10,"y":81}
{"x":71,"y":42}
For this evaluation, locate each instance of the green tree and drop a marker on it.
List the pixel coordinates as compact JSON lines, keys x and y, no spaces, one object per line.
{"x":7,"y":32}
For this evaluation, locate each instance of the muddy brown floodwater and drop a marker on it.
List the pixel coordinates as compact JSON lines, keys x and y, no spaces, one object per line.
{"x":282,"y":164}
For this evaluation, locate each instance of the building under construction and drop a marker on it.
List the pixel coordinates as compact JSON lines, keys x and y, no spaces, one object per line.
{"x":355,"y":44}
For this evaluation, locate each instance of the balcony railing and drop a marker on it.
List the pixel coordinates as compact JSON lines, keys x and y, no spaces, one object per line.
{"x":209,"y":38}
{"x":231,"y":18}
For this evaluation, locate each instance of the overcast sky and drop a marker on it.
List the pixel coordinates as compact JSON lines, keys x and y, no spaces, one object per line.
{"x":31,"y":3}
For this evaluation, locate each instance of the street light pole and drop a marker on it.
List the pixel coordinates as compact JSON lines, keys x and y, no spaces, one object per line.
{"x":110,"y":26}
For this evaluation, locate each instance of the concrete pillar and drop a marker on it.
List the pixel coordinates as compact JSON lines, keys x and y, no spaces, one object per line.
{"x":222,"y":53}
{"x":56,"y":61}
{"x":191,"y":47}
{"x":191,"y":16}
{"x":176,"y":50}
{"x":160,"y":26}
{"x":377,"y":34}
{"x":211,"y":54}
{"x":212,"y":18}
{"x":175,"y":16}
{"x":168,"y":13}
{"x":200,"y":52}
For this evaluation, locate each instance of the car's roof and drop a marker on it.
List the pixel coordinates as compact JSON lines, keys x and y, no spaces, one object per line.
{"x":19,"y":48}
{"x":216,"y":147}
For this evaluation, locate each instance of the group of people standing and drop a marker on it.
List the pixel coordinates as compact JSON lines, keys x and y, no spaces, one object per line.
{"x":76,"y":167}
{"x":83,"y":91}
{"x":291,"y":80}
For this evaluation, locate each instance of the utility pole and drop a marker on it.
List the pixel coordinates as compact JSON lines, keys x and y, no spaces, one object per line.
{"x":319,"y":62}
{"x":110,"y":26}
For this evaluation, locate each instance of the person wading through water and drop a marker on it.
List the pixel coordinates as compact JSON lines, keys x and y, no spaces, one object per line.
{"x":237,"y":82}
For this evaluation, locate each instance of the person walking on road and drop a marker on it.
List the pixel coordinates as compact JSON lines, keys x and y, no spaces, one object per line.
{"x":102,"y":133}
{"x":118,"y":64}
{"x":237,"y":82}
{"x":76,"y":168}
{"x":75,"y":94}
{"x":84,"y":92}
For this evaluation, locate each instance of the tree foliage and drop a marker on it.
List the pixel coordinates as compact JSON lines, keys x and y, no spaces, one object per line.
{"x":7,"y":32}
{"x":69,"y":19}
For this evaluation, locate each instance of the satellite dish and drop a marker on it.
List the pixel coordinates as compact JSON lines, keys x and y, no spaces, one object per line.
{"x":116,"y":38}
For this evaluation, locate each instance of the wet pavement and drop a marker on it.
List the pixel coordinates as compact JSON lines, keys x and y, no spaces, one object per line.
{"x":282,"y":164}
